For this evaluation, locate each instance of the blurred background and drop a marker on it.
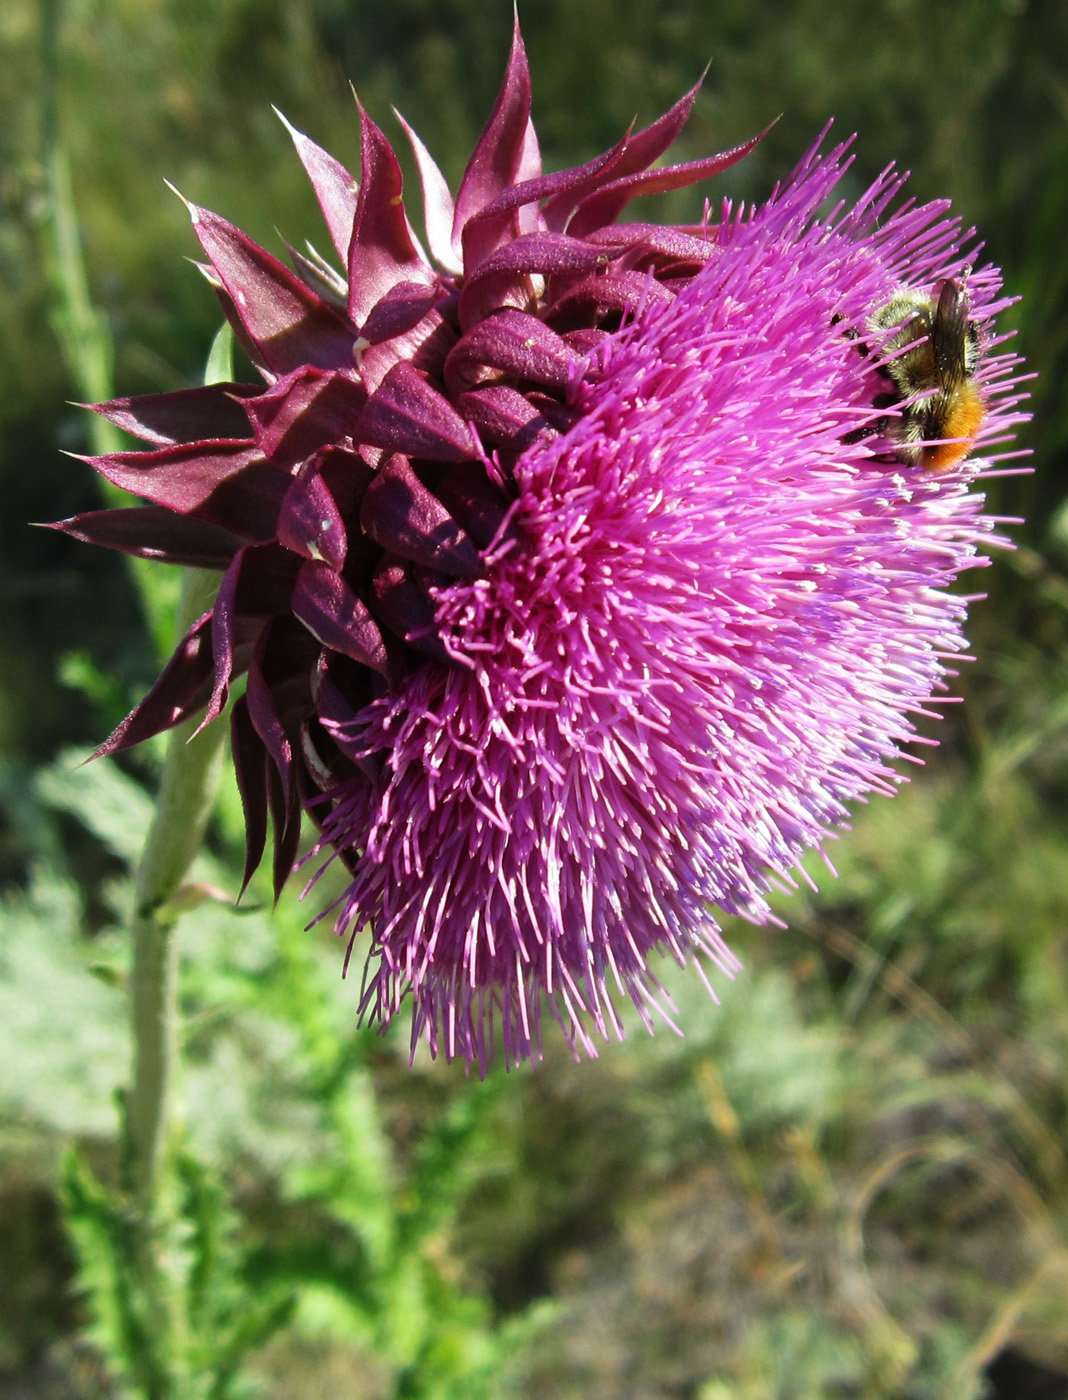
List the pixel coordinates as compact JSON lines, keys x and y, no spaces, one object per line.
{"x":848,"y":1180}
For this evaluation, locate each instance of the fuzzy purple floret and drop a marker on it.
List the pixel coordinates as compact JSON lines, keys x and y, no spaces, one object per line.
{"x":700,"y":636}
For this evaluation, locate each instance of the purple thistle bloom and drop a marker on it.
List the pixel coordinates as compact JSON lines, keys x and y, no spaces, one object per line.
{"x":580,"y":580}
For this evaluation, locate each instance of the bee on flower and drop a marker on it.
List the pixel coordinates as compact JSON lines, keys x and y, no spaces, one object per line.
{"x":931,"y":358}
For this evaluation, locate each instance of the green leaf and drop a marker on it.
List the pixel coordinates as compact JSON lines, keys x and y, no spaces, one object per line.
{"x":117,"y":810}
{"x":63,"y":1033}
{"x":220,"y":366}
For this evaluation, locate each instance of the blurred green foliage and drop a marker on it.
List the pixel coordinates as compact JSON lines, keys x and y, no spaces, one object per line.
{"x":847,"y":1181}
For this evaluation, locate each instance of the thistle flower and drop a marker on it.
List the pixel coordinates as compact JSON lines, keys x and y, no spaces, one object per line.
{"x":576,"y":571}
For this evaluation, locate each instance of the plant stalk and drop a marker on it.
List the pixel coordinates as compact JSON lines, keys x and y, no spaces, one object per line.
{"x":187,"y":792}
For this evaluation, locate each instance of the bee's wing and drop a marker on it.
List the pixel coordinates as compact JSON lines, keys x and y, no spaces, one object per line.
{"x":949,"y":335}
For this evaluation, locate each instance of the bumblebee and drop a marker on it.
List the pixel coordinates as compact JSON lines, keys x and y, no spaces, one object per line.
{"x":930,"y":359}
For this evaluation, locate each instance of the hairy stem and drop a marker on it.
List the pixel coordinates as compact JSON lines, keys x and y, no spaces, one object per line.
{"x":187,"y":791}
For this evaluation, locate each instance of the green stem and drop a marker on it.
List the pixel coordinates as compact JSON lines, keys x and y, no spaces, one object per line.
{"x":187,"y":791}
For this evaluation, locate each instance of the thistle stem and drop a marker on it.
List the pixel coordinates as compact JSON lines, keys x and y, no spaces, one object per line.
{"x":187,"y":791}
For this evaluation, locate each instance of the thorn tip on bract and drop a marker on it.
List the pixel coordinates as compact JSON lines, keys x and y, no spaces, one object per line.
{"x":192,"y":209}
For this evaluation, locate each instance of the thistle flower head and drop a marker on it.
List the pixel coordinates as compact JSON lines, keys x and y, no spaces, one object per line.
{"x":577,"y":570}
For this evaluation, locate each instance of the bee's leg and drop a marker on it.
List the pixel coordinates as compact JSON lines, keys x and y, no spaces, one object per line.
{"x":867,"y":430}
{"x":875,"y":427}
{"x":851,"y":333}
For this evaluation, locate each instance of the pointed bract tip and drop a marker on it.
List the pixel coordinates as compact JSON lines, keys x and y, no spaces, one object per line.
{"x":193,"y":210}
{"x":294,"y":132}
{"x":208,"y":273}
{"x":518,"y":47}
{"x":209,"y":717}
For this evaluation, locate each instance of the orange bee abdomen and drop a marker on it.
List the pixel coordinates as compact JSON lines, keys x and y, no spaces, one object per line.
{"x":933,"y":349}
{"x":964,"y":414}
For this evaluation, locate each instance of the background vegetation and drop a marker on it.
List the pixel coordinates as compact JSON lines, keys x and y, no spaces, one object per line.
{"x":847,"y":1181}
